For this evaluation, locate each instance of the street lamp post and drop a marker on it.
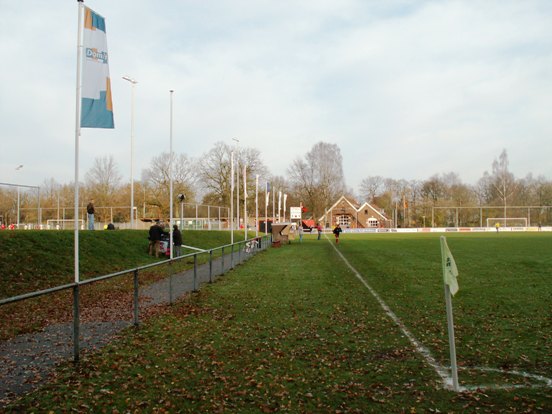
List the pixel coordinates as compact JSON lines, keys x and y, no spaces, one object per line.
{"x":171,"y":179}
{"x":181,"y":197}
{"x":133,"y":82}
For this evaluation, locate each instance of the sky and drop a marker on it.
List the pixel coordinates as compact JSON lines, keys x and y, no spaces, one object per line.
{"x":405,"y":88}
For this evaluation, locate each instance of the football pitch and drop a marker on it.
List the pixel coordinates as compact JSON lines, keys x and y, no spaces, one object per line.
{"x":355,"y":327}
{"x":502,"y":313}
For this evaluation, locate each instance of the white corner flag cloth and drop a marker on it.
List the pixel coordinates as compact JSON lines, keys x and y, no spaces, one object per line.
{"x":450,"y":271}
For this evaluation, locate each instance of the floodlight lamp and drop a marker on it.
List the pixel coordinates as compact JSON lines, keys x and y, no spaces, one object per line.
{"x":181,"y":197}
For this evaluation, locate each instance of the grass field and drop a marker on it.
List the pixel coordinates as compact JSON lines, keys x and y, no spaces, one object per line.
{"x":294,"y":330}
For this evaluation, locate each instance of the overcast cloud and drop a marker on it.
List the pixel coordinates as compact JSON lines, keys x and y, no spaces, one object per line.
{"x":406,"y":89}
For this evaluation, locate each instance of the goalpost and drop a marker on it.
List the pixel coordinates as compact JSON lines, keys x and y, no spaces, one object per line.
{"x":60,"y":224}
{"x":507,"y":221}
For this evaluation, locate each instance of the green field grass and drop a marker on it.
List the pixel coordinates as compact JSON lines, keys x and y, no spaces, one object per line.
{"x":293,"y":330}
{"x":503,"y":312}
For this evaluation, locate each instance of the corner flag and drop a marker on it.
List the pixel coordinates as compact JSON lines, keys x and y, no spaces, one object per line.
{"x":450,"y":271}
{"x":96,"y":103}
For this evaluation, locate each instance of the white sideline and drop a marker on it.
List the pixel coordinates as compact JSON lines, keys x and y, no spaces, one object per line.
{"x":193,"y":248}
{"x":442,"y":371}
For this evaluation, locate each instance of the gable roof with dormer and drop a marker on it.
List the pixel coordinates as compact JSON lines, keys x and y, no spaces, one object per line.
{"x":355,"y":208}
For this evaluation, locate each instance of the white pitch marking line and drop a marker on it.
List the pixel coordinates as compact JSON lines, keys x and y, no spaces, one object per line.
{"x":440,"y":369}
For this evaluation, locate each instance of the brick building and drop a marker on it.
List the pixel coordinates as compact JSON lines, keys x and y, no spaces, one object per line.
{"x":351,"y":214}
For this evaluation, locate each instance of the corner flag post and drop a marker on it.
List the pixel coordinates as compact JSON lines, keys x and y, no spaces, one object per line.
{"x":451,"y":287}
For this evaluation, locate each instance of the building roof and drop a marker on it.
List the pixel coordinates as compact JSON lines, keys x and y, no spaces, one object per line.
{"x":356,"y":207}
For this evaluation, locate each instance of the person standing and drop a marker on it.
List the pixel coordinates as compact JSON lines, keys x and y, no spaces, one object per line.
{"x":155,"y":233}
{"x":177,"y":241}
{"x":336,"y":232}
{"x":90,"y":211}
{"x":319,"y":230}
{"x":300,"y":230}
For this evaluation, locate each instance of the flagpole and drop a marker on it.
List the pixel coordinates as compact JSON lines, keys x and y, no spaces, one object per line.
{"x":133,"y":83}
{"x":232,"y":197}
{"x":450,"y":322}
{"x":267,"y":198}
{"x":245,"y":200}
{"x":279,"y":206}
{"x":171,"y":247}
{"x":238,"y":192}
{"x":257,"y":205}
{"x":77,"y":135}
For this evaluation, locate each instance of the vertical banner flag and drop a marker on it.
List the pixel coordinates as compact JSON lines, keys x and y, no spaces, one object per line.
{"x":96,"y":103}
{"x":450,"y":271}
{"x":267,"y":192}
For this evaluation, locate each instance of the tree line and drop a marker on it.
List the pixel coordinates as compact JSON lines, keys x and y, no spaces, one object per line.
{"x":314,"y":180}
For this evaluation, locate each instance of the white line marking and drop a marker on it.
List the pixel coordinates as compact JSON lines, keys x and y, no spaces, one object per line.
{"x":442,"y":371}
{"x":193,"y":248}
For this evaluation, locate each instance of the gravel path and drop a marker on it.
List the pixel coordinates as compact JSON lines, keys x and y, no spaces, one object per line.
{"x":27,"y":360}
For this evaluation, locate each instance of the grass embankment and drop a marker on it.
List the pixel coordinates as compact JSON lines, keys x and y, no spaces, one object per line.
{"x":294,"y":331}
{"x":36,"y":260}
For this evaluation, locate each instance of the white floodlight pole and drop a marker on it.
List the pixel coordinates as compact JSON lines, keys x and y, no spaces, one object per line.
{"x":171,"y":179}
{"x":133,"y":82}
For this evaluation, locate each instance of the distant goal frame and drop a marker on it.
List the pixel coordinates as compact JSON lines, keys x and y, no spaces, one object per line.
{"x":503,"y":221}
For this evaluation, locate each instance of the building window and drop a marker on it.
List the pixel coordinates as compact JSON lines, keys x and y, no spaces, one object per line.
{"x":344,"y":221}
{"x":372,"y":222}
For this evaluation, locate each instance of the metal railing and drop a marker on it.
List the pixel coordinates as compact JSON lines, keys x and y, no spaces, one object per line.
{"x":250,"y":247}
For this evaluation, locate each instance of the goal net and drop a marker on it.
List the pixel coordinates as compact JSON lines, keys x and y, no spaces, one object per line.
{"x":63,"y":224}
{"x":507,"y":222}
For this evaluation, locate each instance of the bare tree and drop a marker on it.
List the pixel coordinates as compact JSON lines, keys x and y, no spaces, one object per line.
{"x":370,"y":187}
{"x":502,"y":182}
{"x":103,"y":178}
{"x":318,"y":180}
{"x":157,"y":179}
{"x":215,"y":169}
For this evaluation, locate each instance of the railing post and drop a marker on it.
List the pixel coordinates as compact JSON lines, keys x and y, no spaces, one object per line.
{"x":76,"y":323}
{"x":195,"y":272}
{"x":211,"y":266}
{"x":232,"y":256}
{"x":222,"y":261}
{"x":136,"y":297}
